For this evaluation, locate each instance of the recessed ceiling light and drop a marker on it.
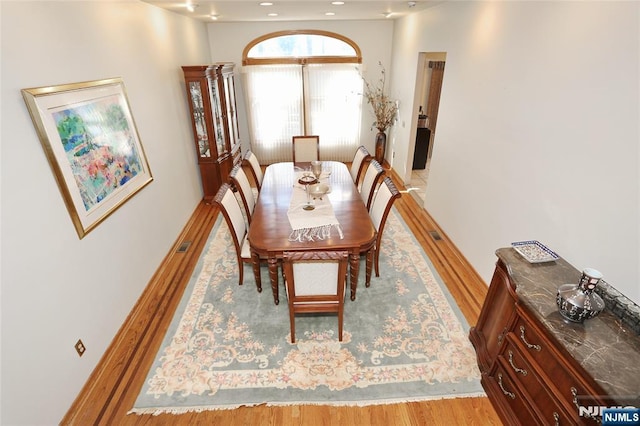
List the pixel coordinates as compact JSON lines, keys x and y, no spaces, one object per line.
{"x":272,"y":14}
{"x":191,"y":6}
{"x":266,"y":3}
{"x":386,"y":14}
{"x":214,"y":17}
{"x":330,"y":13}
{"x":337,"y":3}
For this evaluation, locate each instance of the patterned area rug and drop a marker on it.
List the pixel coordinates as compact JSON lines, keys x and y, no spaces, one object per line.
{"x":228,"y":345}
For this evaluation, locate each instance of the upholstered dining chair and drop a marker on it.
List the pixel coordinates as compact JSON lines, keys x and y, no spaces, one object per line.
{"x":360,"y":158}
{"x":241,"y":184}
{"x":306,"y":148}
{"x":380,"y":208}
{"x":230,"y":208}
{"x":371,"y":177}
{"x":315,"y":283}
{"x":251,"y":160}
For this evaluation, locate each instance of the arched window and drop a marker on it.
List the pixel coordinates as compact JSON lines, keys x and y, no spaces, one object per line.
{"x":303,"y":82}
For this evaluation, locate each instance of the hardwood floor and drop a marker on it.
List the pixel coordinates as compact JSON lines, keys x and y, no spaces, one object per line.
{"x":114,"y":385}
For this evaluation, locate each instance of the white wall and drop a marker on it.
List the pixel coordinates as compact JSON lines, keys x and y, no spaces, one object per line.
{"x":537,"y":129}
{"x":55,"y":287}
{"x":228,"y":40}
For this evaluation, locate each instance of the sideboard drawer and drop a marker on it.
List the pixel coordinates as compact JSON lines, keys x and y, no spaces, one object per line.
{"x":511,"y":395}
{"x":537,"y":387}
{"x":543,"y":355}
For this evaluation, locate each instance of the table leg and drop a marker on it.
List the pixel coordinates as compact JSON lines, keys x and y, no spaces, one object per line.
{"x":273,"y":276}
{"x":255,"y":261}
{"x":354,"y":267}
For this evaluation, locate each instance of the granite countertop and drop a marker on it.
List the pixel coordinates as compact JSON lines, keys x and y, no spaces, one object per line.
{"x":604,"y":346}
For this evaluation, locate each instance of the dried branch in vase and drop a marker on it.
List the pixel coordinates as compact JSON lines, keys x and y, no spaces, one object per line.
{"x":384,"y":108}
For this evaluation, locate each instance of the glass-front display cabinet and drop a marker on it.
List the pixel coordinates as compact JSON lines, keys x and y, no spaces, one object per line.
{"x":211,"y":95}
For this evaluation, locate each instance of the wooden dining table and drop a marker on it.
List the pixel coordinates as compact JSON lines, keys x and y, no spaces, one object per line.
{"x":270,"y":229}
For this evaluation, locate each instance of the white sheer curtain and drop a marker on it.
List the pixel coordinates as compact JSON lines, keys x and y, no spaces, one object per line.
{"x":333,"y":103}
{"x":334,"y":108}
{"x":274,"y":110}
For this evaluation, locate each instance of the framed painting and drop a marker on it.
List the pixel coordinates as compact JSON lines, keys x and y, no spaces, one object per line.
{"x":92,"y":144}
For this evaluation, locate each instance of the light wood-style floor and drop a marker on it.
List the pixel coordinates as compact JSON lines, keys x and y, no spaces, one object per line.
{"x":113,"y":387}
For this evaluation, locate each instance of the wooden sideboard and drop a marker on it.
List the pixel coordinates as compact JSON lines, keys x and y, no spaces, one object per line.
{"x":538,"y":368}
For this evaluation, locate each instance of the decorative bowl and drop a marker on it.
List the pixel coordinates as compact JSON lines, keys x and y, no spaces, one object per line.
{"x":307,"y":180}
{"x":318,"y":190}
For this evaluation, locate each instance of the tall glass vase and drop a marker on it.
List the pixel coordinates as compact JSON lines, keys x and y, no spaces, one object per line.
{"x":381,"y":145}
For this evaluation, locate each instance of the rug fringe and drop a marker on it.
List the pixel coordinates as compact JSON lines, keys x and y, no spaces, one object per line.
{"x":156,"y":411}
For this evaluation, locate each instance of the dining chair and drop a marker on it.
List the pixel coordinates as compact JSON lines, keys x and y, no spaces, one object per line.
{"x":306,"y":149}
{"x":371,"y":177}
{"x":380,"y":208}
{"x":241,"y":184}
{"x":315,"y":283}
{"x":230,"y":208}
{"x":251,"y":160}
{"x":360,"y":159}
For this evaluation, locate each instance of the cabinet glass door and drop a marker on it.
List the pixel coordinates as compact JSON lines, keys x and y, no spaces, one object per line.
{"x":195,"y":91}
{"x":218,"y":117}
{"x":234,"y":136}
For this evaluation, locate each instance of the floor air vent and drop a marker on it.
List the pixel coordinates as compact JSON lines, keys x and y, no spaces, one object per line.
{"x":184,"y":247}
{"x":435,"y":235}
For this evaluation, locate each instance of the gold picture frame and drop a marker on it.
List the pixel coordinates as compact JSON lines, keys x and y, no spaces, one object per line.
{"x":90,"y":138}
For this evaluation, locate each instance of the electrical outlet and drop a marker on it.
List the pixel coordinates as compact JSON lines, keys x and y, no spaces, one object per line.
{"x":80,"y":348}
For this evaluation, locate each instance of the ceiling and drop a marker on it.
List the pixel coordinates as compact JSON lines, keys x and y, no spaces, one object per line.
{"x":292,"y":10}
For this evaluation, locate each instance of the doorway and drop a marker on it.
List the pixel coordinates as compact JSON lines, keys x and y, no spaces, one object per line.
{"x":427,"y":96}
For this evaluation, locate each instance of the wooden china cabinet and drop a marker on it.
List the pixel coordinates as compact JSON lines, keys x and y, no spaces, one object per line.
{"x":212,"y":102}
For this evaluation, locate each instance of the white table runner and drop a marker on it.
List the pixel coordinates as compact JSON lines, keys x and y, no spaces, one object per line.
{"x":311,"y":225}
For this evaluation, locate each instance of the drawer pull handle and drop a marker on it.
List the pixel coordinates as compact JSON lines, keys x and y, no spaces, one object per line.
{"x":524,"y":340}
{"x":501,"y":336}
{"x":516,"y":369}
{"x":504,"y":391}
{"x":588,"y":415}
{"x":556,"y":417}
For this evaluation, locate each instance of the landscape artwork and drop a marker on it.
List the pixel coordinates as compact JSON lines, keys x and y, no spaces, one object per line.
{"x":99,"y":146}
{"x":92,"y":144}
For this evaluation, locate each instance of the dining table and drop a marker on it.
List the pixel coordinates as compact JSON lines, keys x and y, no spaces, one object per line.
{"x":340,"y":220}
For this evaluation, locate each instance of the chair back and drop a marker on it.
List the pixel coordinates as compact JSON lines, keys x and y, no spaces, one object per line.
{"x":241,"y":183}
{"x":254,"y":165}
{"x":306,"y":149}
{"x":382,"y":203}
{"x":315,"y":282}
{"x":371,"y":177}
{"x":380,"y":208}
{"x":226,"y":200}
{"x":357,"y":165}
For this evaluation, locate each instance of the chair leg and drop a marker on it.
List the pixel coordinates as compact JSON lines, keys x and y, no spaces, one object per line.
{"x":340,"y":318}
{"x":241,"y":269}
{"x":369,"y":265}
{"x":255,"y":262}
{"x":293,"y":325}
{"x":377,"y":257}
